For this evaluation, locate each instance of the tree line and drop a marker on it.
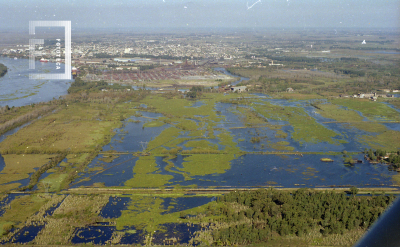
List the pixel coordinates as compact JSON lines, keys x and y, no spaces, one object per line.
{"x":255,"y":216}
{"x":80,"y":85}
{"x":393,"y":158}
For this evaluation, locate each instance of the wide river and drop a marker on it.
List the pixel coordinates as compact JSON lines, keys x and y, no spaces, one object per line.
{"x":16,"y":89}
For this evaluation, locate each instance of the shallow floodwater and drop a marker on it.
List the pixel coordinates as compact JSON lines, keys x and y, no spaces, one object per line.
{"x":7,"y":200}
{"x":177,"y":204}
{"x":115,"y":173}
{"x":253,"y":170}
{"x":132,"y":137}
{"x":2,"y":163}
{"x":115,"y":206}
{"x":181,"y":232}
{"x":243,"y":136}
{"x":18,"y":90}
{"x":26,"y":234}
{"x":103,"y":232}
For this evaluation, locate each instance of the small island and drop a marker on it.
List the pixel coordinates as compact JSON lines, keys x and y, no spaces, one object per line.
{"x":326,"y":160}
{"x":3,"y":70}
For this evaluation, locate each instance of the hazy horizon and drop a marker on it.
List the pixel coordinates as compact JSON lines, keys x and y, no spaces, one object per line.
{"x":204,"y":14}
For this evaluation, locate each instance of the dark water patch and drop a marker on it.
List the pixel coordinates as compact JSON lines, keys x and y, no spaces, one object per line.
{"x":133,"y":135}
{"x":26,"y":234}
{"x":93,"y":234}
{"x":177,"y":161}
{"x":173,"y":171}
{"x":173,"y":205}
{"x":23,"y":182}
{"x":116,"y":173}
{"x":7,"y":200}
{"x":175,"y":234}
{"x":50,"y":211}
{"x":114,"y":207}
{"x":253,"y":170}
{"x":2,"y":163}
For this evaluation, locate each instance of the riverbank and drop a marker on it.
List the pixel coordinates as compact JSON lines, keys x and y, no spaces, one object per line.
{"x":3,"y":70}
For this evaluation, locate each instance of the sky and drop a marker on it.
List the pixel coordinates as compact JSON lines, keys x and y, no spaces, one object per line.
{"x":234,"y":14}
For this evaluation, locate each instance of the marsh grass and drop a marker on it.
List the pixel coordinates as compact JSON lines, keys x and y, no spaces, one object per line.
{"x":306,"y":129}
{"x":372,"y":110}
{"x":20,"y":166}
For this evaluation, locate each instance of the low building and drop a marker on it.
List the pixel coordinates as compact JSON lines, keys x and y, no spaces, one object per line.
{"x":239,"y":89}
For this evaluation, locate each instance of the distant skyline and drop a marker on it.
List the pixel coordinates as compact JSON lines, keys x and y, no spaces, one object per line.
{"x":192,"y":14}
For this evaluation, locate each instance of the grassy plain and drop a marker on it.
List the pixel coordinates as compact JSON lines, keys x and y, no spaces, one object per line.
{"x":370,"y":109}
{"x":75,"y":128}
{"x":20,"y":166}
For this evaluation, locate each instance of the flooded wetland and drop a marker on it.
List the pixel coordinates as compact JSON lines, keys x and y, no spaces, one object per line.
{"x":128,"y":168}
{"x":146,"y":167}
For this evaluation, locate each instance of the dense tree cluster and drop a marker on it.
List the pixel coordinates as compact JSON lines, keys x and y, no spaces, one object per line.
{"x":195,"y":91}
{"x":393,"y":158}
{"x":90,"y":86}
{"x":294,"y":59}
{"x":351,"y":72}
{"x":260,"y":213}
{"x":3,"y":70}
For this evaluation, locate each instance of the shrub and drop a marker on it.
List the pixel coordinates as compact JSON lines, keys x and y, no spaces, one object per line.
{"x":7,"y":228}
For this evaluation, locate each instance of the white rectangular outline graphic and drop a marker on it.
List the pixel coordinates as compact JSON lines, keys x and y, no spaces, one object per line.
{"x":67,"y":27}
